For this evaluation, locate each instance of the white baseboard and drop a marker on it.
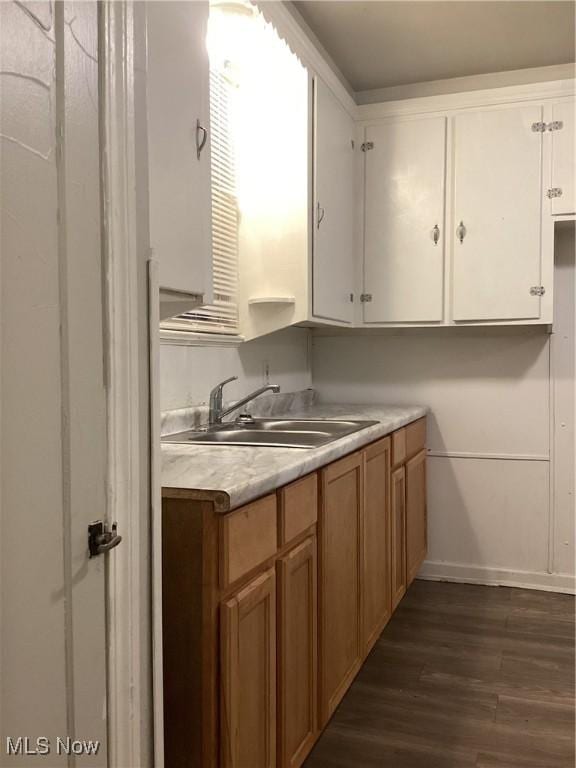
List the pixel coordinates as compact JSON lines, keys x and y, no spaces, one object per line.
{"x":497,"y":577}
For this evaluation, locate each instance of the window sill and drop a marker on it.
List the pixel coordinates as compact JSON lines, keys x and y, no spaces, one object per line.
{"x":190,"y":339}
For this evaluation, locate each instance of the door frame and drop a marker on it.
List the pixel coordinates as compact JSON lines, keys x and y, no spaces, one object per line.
{"x":129,"y":652}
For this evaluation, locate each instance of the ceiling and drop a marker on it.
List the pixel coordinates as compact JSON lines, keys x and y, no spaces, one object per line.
{"x":387,"y":43}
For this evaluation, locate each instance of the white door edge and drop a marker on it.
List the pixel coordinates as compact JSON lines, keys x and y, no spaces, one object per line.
{"x":129,"y":689}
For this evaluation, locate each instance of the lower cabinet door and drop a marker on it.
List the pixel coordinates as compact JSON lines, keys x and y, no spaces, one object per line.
{"x":416,"y":518}
{"x":297,"y":654}
{"x":248,"y":697}
{"x":340,"y":580}
{"x":398,"y":535}
{"x":376,"y":588}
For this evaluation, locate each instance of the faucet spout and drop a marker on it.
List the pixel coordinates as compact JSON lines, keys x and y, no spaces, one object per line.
{"x":217,"y":412}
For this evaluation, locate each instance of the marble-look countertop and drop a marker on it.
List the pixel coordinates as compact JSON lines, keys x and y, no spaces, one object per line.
{"x":231,"y":476}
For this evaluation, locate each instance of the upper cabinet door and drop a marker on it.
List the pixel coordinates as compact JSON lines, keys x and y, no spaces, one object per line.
{"x":562,"y":131}
{"x":404,"y":221}
{"x":333,"y":216}
{"x":179,"y":144}
{"x":497,"y":214}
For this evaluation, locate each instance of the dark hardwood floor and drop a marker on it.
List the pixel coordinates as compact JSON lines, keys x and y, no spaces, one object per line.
{"x":462,"y":676}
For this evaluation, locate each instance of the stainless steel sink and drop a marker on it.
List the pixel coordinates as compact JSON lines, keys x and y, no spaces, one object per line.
{"x":275,"y":433}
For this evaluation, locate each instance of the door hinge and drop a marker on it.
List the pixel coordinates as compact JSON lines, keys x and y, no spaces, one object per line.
{"x":100,"y":539}
{"x":365,"y":297}
{"x":537,"y":290}
{"x":539,"y":127}
{"x":351,"y":297}
{"x":366,"y":145}
{"x":555,"y":125}
{"x":554,"y":192}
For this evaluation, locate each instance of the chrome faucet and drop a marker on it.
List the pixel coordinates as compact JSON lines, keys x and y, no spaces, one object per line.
{"x":217,"y":413}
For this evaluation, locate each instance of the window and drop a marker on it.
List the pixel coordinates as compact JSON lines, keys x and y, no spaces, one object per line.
{"x":221,"y":316}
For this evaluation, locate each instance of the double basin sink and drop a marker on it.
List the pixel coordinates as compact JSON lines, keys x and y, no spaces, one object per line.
{"x":273,"y":433}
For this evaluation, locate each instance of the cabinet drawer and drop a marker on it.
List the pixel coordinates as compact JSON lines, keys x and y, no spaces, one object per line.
{"x":399,"y":447}
{"x":298,"y":507}
{"x":248,"y":538}
{"x":415,"y":437}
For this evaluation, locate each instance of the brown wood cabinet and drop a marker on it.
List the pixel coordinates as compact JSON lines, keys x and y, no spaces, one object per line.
{"x":248,"y":658}
{"x":376,"y":565}
{"x":270,"y":610}
{"x":398,"y":536}
{"x":416,"y":519}
{"x":340,"y":527}
{"x":297,"y":654}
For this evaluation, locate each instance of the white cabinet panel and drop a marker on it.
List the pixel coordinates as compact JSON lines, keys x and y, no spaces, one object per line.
{"x":333,"y":260}
{"x":178,"y":123}
{"x":497,"y":200}
{"x":563,"y":158}
{"x":403,"y":266}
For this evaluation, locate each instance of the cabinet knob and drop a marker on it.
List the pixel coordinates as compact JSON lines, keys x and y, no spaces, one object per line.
{"x":436,"y":234}
{"x":201,"y":136}
{"x":320,"y":215}
{"x":461,"y":232}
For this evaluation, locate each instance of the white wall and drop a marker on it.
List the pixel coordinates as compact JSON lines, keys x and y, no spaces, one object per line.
{"x":490,"y":473}
{"x":188,"y":373}
{"x":563,"y":351}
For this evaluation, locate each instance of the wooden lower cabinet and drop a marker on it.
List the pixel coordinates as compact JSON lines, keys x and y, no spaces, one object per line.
{"x":340,"y":529}
{"x":297,"y":654}
{"x":270,"y":610}
{"x":376,"y":567}
{"x":248,"y":659}
{"x":416,"y":518}
{"x":398,"y":535}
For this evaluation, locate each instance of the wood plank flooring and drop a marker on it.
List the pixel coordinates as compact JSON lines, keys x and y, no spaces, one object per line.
{"x":463,"y":676}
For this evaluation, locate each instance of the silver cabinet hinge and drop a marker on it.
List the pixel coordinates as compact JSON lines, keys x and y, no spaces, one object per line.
{"x":365,"y":146}
{"x":539,"y":127}
{"x":555,"y":125}
{"x":554,"y":192}
{"x":365,"y":297}
{"x":537,"y":290}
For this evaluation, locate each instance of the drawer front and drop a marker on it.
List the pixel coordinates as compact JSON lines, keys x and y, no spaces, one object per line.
{"x":298,"y":507}
{"x":415,"y":437}
{"x":399,"y":447}
{"x":248,"y":538}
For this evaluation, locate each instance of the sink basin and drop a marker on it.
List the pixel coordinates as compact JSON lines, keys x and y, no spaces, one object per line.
{"x":274,"y":433}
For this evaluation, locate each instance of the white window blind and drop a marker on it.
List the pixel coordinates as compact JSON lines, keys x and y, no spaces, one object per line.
{"x":222,"y":315}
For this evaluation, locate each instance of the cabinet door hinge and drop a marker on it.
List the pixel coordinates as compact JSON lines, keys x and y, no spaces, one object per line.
{"x":554,"y":192}
{"x":351,"y":297}
{"x":366,"y":145}
{"x":555,"y":125}
{"x":365,"y":297}
{"x":539,"y":127}
{"x":537,"y":290}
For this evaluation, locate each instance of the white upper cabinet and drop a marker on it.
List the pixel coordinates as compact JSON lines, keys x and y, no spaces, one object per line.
{"x":334,"y":210}
{"x":179,"y":145}
{"x":496,"y":216}
{"x":562,"y":193}
{"x":404,"y":221}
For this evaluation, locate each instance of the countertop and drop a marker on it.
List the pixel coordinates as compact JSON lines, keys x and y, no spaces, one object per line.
{"x":231,"y":476}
